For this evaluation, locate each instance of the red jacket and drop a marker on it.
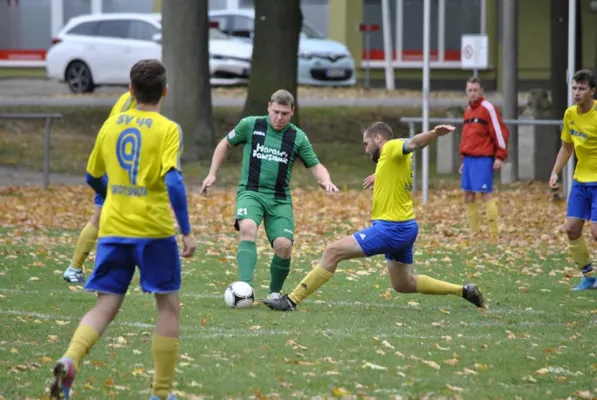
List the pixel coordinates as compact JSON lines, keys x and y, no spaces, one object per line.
{"x":483,"y":131}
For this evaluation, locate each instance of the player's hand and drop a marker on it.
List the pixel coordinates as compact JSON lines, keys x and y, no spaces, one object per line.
{"x":328,"y":186}
{"x":368,"y":182}
{"x":497,"y":164}
{"x":188,"y":245}
{"x":553,"y":181}
{"x":442,"y":130}
{"x":460,"y":169}
{"x":207,"y":183}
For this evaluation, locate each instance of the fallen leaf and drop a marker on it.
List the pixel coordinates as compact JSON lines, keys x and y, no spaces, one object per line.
{"x":374,"y":366}
{"x":454,"y":388}
{"x":431,"y":364}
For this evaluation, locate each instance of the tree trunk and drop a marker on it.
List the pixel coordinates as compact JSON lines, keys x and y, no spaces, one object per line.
{"x":275,"y":47}
{"x":185,"y":52}
{"x":559,"y":60}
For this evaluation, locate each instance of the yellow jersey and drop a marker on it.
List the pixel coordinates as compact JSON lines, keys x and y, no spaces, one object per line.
{"x":136,"y":149}
{"x":392,"y":199}
{"x":581,"y":130}
{"x":124,"y":103}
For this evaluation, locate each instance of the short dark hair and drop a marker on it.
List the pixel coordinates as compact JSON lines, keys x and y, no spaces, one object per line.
{"x":585,"y":76}
{"x":282,"y":97}
{"x":379,"y":128}
{"x":148,"y":79}
{"x":474,"y":79}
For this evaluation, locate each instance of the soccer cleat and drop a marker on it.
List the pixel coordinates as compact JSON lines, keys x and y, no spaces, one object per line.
{"x":281,"y":303}
{"x":472,"y":293}
{"x":273,"y":296}
{"x":64,"y":375}
{"x":73,"y":275}
{"x":586,"y":283}
{"x":170,"y":397}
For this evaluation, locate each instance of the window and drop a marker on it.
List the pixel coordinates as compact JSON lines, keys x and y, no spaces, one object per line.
{"x":85,"y":28}
{"x":450,"y":19}
{"x":310,"y":32}
{"x":242,"y":26}
{"x":141,"y":30}
{"x":118,"y":28}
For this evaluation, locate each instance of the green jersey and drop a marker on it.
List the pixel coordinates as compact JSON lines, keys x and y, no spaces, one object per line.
{"x":269,"y":155}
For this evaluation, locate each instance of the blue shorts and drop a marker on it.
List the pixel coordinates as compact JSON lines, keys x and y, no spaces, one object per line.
{"x":394,"y":239}
{"x":98,"y":200}
{"x":158,"y":261}
{"x":477,"y":174}
{"x":582,"y":201}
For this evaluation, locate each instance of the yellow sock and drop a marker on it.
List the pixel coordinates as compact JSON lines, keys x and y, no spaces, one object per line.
{"x":83,"y":340}
{"x":85,"y":244}
{"x":580,"y":254}
{"x":428,"y":285}
{"x":165,"y":354}
{"x":473,"y":217}
{"x":313,"y":281}
{"x":492,"y":216}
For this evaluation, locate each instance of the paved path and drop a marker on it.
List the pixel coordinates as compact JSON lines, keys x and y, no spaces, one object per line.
{"x":41,"y":92}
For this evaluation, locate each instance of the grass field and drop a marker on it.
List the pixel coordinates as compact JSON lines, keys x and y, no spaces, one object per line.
{"x":355,"y":338}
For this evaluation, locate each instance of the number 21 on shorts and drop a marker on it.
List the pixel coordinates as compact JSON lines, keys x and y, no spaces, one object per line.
{"x":128,"y":151}
{"x":241,"y":212}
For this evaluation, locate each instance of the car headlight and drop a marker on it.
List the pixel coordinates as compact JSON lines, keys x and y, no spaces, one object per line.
{"x":306,"y":55}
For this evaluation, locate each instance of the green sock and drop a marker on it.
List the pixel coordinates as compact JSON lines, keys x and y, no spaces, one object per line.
{"x":246,"y":257}
{"x":279,"y":269}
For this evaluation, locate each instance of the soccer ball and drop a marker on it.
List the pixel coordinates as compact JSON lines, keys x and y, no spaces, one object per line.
{"x":239,"y":295}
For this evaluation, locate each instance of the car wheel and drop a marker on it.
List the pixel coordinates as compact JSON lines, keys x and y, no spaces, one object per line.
{"x":78,"y":77}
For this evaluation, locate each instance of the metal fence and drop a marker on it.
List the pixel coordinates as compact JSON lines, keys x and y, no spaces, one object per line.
{"x":49,"y":118}
{"x":412,"y":121}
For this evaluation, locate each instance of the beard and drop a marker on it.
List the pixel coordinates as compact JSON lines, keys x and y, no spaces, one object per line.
{"x":375,"y":154}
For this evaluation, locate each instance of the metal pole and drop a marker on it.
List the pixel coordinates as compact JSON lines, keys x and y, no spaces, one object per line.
{"x":47,"y":153}
{"x":483,"y":17}
{"x":387,"y":44}
{"x":569,"y":173}
{"x":510,"y":85}
{"x":411,"y":133}
{"x":426,"y":73}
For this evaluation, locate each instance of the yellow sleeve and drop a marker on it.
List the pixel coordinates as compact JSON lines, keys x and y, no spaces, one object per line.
{"x":395,"y":147}
{"x":172,"y":150}
{"x":95,"y":165}
{"x":565,"y":136}
{"x":124,"y":103}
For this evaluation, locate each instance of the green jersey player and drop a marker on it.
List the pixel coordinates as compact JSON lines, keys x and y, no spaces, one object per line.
{"x":271,"y":145}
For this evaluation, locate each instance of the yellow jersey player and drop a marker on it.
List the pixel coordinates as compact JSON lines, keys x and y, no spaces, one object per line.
{"x":394,"y":228}
{"x":88,"y":236}
{"x":139,"y":151}
{"x":580,"y":136}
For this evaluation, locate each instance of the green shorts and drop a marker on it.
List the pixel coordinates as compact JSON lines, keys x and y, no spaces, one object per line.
{"x":277,"y":216}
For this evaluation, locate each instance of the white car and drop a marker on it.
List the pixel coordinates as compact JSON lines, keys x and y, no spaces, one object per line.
{"x":100,"y":49}
{"x":321,"y":62}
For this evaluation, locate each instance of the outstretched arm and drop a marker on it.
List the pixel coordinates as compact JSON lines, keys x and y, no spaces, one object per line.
{"x":422,"y":140}
{"x":220,"y":154}
{"x":323,"y":178}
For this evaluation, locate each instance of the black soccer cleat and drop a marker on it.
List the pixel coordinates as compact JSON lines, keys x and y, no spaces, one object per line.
{"x":472,"y":293}
{"x":280,"y":304}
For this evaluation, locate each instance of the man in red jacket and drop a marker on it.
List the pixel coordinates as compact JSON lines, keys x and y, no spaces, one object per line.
{"x":483,"y":148}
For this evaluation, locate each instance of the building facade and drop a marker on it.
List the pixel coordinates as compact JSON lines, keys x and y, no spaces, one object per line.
{"x":27,"y":27}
